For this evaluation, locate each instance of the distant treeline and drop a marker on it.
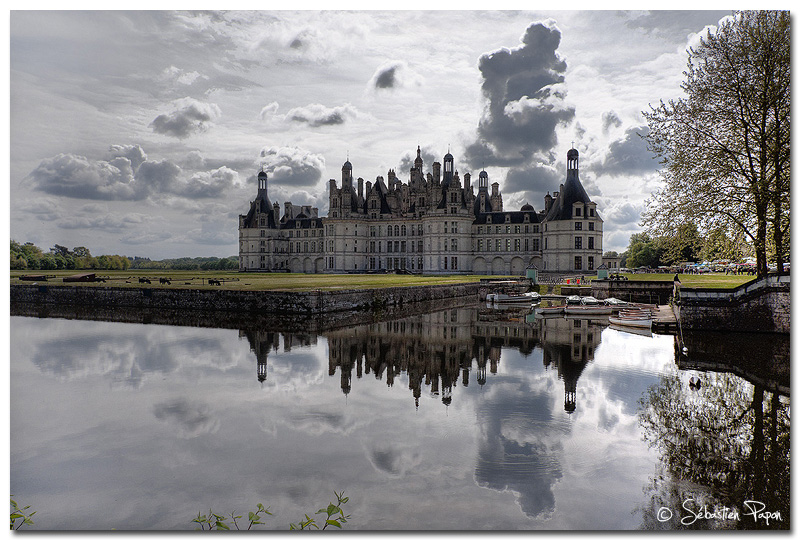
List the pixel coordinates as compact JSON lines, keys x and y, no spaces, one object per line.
{"x":30,"y":257}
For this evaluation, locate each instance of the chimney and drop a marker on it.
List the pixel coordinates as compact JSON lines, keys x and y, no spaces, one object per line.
{"x":361,"y":187}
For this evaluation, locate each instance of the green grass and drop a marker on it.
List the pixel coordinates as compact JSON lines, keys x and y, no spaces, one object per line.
{"x":232,"y":280}
{"x":711,"y":281}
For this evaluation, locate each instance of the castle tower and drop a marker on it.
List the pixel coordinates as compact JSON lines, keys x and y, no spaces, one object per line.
{"x":347,"y":174}
{"x":448,"y":169}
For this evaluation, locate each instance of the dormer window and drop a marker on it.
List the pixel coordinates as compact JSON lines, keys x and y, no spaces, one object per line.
{"x":591,"y":212}
{"x":577,"y":211}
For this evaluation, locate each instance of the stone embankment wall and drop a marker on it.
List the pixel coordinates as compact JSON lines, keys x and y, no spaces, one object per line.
{"x":757,"y":306}
{"x":305,"y":302}
{"x":650,"y":292}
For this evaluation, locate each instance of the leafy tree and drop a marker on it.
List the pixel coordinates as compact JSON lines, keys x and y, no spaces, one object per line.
{"x":644,"y":251}
{"x":725,"y":146}
{"x":684,"y":245}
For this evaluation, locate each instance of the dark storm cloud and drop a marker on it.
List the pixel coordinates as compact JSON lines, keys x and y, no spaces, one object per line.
{"x":526,"y":99}
{"x":629,"y":155}
{"x":386,"y":78}
{"x":127,"y":176}
{"x":528,"y":467}
{"x":610,"y":118}
{"x":191,"y":419}
{"x":189,"y":118}
{"x":427,"y":155}
{"x":316,"y":115}
{"x":536,"y":179}
{"x":292,"y":166}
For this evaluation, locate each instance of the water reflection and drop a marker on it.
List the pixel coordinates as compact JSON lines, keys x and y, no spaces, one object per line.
{"x":536,"y":422}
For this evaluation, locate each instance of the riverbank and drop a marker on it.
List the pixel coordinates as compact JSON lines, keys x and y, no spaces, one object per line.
{"x":239,"y":301}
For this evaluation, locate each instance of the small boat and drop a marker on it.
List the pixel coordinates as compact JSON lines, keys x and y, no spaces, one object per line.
{"x":550,"y":311}
{"x":590,"y":301}
{"x":632,"y":330}
{"x":597,"y":309}
{"x":573,"y":299}
{"x":615,"y":302}
{"x":503,"y":298}
{"x":636,"y":317}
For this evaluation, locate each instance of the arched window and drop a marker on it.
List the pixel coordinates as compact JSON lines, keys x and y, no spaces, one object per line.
{"x":397,"y":230}
{"x":403,"y":230}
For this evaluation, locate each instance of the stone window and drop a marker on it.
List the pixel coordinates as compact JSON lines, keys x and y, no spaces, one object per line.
{"x":516,"y":244}
{"x":578,"y":242}
{"x":577,"y":211}
{"x":590,"y":243}
{"x":454,"y":265}
{"x":578,"y":263}
{"x":578,"y":226}
{"x":590,"y":263}
{"x":591,"y":225}
{"x":535,"y":244}
{"x":480,"y":245}
{"x":591,"y":212}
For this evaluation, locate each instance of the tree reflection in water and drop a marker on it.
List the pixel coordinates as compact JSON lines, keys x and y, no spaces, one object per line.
{"x":721,"y":445}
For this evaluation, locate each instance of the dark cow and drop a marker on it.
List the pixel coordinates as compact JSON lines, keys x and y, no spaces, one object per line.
{"x":164,"y":280}
{"x":144,"y":280}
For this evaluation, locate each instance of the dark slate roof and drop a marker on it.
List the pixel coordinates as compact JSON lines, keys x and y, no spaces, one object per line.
{"x":305,"y":223}
{"x":260,"y":205}
{"x":499,"y":218}
{"x":573,"y":192}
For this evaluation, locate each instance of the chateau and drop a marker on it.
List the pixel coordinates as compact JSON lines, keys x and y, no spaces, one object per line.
{"x":434,"y":224}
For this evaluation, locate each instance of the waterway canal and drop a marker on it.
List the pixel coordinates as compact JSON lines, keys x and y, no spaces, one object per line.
{"x":463,"y":418}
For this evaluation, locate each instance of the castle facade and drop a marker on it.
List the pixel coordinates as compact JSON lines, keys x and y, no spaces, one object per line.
{"x":435,"y":223}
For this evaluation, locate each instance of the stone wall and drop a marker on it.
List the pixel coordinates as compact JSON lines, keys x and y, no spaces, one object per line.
{"x":305,"y":302}
{"x":650,"y":292}
{"x":757,"y":306}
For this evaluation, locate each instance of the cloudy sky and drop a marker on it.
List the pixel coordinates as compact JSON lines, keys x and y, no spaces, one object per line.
{"x":140,"y":133}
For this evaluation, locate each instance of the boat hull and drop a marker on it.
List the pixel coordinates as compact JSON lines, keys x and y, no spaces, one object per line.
{"x":634,"y":323}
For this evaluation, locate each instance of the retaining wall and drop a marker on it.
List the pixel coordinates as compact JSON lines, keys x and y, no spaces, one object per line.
{"x":305,"y":302}
{"x":650,"y":292}
{"x":762,"y":305}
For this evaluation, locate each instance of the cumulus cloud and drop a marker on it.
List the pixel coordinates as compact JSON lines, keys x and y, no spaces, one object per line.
{"x":526,"y":99}
{"x":610,"y":119}
{"x":394,"y":74}
{"x":268,"y":111}
{"x":216,"y":233}
{"x":189,"y":118}
{"x":128,"y":176}
{"x":139,"y":239}
{"x":623,"y":212}
{"x":629,"y":155}
{"x":179,"y":76}
{"x":75,"y":176}
{"x":191,"y":419}
{"x":534,"y":180}
{"x":292,"y":165}
{"x":316,"y":115}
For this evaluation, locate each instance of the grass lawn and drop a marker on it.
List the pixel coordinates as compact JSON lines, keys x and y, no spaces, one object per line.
{"x":711,"y":281}
{"x":198,"y":279}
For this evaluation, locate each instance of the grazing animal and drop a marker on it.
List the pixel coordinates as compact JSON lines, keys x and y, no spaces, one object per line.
{"x":214,"y":282}
{"x":163,"y":280}
{"x":144,"y":280}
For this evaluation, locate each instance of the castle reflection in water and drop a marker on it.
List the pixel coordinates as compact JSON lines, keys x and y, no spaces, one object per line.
{"x":440,"y":350}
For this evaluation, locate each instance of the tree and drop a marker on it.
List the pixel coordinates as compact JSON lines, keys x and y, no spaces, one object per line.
{"x":644,"y":251}
{"x":725,"y":146}
{"x":682,"y":246}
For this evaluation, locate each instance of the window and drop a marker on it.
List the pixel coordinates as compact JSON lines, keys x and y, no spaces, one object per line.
{"x":526,"y":244}
{"x":578,"y":242}
{"x":508,"y":229}
{"x":590,"y":243}
{"x":403,"y":246}
{"x":516,"y":244}
{"x":454,"y":265}
{"x":498,"y":244}
{"x":389,"y":230}
{"x":453,"y":244}
{"x":577,"y":210}
{"x":397,"y":230}
{"x":497,"y":229}
{"x":535,"y":228}
{"x":591,"y":225}
{"x":590,"y":263}
{"x":578,"y":226}
{"x":419,"y":246}
{"x":403,"y":230}
{"x":445,"y":263}
{"x":516,"y":229}
{"x":535,"y":244}
{"x":591,"y":212}
{"x":545,"y":243}
{"x":388,"y":247}
{"x":578,"y":263}
{"x":508,"y":244}
{"x":480,"y":245}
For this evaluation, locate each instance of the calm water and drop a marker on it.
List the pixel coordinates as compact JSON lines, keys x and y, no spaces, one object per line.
{"x":458,"y":419}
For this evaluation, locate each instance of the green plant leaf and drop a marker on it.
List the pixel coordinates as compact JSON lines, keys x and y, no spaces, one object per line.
{"x":333,"y":522}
